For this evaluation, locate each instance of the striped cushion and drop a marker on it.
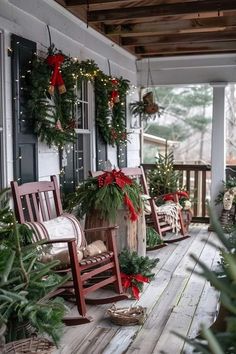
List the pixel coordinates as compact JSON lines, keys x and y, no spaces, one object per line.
{"x":64,"y":226}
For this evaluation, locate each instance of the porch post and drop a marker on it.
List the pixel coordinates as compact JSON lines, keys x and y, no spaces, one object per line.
{"x":218,"y":142}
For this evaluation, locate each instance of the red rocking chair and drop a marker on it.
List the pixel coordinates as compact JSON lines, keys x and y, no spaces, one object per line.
{"x":157,"y":219}
{"x":39,"y":202}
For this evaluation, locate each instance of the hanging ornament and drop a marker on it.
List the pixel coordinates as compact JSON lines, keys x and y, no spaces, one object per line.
{"x":58,"y":125}
{"x":114,"y":96}
{"x":55,"y":62}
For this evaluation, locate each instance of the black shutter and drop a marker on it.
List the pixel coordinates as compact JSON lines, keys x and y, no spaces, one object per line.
{"x":122,"y":152}
{"x":25,"y":152}
{"x":122,"y":155}
{"x":101,"y":151}
{"x":72,"y":165}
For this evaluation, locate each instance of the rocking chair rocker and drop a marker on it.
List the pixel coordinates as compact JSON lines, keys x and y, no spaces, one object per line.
{"x":36,"y":202}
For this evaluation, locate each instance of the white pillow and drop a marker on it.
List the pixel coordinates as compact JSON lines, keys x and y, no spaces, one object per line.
{"x":65,"y":226}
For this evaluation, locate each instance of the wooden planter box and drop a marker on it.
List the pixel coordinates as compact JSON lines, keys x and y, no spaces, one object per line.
{"x":130,"y":235}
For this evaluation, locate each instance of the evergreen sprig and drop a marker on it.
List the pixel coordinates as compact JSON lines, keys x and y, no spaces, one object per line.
{"x":215,"y":339}
{"x":25,"y":282}
{"x":152,"y":237}
{"x":131,"y":264}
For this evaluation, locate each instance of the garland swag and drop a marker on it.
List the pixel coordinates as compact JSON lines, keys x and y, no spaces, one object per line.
{"x":53,"y":111}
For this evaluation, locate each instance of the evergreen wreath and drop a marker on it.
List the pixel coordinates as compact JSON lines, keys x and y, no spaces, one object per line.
{"x":52,"y":111}
{"x":111,"y":119}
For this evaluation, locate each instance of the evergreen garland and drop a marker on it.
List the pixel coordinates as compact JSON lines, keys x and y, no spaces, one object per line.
{"x":46,"y":110}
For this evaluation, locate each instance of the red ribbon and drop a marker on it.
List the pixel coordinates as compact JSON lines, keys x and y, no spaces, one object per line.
{"x":119,"y":178}
{"x":55,"y":62}
{"x":132,"y":213}
{"x":171,"y":196}
{"x":127,"y":282}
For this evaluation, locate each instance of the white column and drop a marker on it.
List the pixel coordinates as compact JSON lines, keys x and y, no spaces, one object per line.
{"x":218,"y":142}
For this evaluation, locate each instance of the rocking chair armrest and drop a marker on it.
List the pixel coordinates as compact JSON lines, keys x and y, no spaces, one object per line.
{"x":102,"y":228}
{"x":59,"y":240}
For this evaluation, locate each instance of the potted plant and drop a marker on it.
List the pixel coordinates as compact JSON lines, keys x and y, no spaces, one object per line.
{"x":111,"y":198}
{"x":147,"y":108}
{"x":106,"y":194}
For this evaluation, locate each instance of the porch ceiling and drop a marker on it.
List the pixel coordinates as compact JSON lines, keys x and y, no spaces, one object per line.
{"x":157,"y":28}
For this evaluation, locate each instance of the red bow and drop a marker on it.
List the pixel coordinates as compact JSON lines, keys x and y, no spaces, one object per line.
{"x":56,"y":79}
{"x":119,"y":178}
{"x":127,"y":282}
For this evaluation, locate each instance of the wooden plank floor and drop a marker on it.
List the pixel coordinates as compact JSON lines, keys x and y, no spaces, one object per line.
{"x":176,"y":300}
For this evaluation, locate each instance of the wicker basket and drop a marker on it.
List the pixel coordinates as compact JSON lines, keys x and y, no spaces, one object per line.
{"x":30,"y":346}
{"x":124,"y":316}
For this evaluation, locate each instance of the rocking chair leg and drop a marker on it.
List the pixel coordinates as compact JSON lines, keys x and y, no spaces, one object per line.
{"x":76,"y":274}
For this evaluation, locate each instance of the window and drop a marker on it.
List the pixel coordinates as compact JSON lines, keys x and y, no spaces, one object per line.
{"x":76,"y":158}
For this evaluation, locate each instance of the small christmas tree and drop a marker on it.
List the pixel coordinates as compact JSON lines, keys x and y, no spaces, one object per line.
{"x":163,"y":179}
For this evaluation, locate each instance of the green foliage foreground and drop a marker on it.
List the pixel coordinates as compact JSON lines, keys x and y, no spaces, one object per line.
{"x":218,"y":342}
{"x":25,"y":282}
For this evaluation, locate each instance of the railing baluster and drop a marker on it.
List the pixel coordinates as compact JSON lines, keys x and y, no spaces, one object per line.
{"x":204,"y":193}
{"x":195,"y":206}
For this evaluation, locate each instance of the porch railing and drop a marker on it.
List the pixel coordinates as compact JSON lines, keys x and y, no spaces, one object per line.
{"x":197,"y":181}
